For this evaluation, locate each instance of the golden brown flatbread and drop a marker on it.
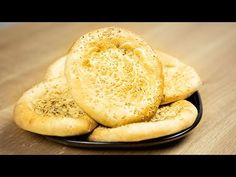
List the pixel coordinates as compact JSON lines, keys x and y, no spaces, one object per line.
{"x":115,"y":76}
{"x":56,"y":69}
{"x":49,"y":109}
{"x":180,"y":80}
{"x":169,"y":119}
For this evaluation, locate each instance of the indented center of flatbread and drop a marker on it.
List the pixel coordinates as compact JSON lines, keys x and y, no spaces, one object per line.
{"x":57,"y":103}
{"x":167,"y":112}
{"x":114,"y":70}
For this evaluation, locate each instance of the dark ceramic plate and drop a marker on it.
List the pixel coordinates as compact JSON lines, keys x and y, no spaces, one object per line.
{"x":81,"y":141}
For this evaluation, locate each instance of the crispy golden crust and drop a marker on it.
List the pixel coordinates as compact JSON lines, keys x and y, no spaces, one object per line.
{"x":115,"y":76}
{"x":180,"y":80}
{"x":49,"y":109}
{"x":56,"y":69}
{"x":169,"y":119}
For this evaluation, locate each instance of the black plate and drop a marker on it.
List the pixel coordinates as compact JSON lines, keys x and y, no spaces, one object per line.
{"x":81,"y":141}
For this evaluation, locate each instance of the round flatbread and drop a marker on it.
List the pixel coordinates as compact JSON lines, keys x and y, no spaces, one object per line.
{"x":49,"y":109}
{"x":169,"y":119}
{"x":115,"y":76}
{"x":180,"y":80}
{"x":56,"y":69}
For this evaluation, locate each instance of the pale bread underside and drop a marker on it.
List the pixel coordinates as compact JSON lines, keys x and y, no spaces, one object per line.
{"x":56,"y":69}
{"x":169,"y":119}
{"x":49,"y":109}
{"x":115,"y":76}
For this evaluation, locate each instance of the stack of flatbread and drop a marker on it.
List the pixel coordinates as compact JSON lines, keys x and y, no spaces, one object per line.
{"x":112,"y":86}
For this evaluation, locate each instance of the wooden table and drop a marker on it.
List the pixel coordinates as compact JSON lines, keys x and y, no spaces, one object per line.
{"x":26,"y":50}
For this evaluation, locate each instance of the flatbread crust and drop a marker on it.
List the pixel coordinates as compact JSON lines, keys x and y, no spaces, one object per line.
{"x":169,"y":119}
{"x":180,"y":80}
{"x":49,"y":109}
{"x":56,"y":69}
{"x":114,"y":76}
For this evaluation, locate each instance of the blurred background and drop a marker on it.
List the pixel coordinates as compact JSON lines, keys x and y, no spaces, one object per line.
{"x":6,"y":24}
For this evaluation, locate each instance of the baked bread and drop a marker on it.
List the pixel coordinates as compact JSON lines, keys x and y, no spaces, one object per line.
{"x":169,"y":119}
{"x":180,"y":80}
{"x":56,"y":69}
{"x":115,"y":76}
{"x":49,"y":109}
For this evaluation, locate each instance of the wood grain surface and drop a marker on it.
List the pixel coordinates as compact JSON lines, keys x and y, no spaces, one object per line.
{"x":26,"y":50}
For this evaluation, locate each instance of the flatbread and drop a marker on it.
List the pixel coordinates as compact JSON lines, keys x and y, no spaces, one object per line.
{"x":56,"y":69}
{"x":49,"y":109}
{"x":169,"y":119}
{"x":180,"y":80}
{"x":115,"y":76}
